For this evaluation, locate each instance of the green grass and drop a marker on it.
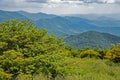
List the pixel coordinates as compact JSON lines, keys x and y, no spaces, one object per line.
{"x":95,"y":69}
{"x":84,"y":69}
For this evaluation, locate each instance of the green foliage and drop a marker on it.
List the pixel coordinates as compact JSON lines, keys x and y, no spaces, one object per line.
{"x":4,"y":75}
{"x":21,"y":47}
{"x":89,"y":53}
{"x":72,"y":51}
{"x":27,"y":52}
{"x":102,"y":52}
{"x":24,"y":77}
{"x":114,"y":53}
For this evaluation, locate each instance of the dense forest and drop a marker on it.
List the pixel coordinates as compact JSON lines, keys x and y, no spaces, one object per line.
{"x":92,"y":39}
{"x":29,"y":53}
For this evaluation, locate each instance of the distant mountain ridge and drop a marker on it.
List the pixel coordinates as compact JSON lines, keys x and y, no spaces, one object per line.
{"x":95,"y":16}
{"x":92,"y":39}
{"x":6,"y":15}
{"x":36,"y":16}
{"x":65,"y":25}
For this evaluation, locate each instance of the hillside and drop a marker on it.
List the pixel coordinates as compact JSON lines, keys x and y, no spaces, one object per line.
{"x":92,"y":39}
{"x":57,"y":25}
{"x":36,"y":16}
{"x":7,"y":15}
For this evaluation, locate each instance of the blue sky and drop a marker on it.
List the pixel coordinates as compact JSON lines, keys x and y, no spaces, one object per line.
{"x":63,"y":6}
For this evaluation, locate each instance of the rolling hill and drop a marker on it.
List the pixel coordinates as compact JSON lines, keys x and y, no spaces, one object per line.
{"x":92,"y":39}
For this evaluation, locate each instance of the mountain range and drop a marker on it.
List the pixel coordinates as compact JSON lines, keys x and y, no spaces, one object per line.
{"x":66,"y":25}
{"x":78,"y":30}
{"x":92,"y":39}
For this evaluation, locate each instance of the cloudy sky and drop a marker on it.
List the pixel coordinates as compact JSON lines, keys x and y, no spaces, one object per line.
{"x":63,"y":6}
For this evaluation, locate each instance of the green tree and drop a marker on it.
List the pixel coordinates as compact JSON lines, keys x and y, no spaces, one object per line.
{"x":22,"y":46}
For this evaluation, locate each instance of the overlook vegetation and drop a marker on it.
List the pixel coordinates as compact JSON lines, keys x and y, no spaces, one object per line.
{"x":28,"y":53}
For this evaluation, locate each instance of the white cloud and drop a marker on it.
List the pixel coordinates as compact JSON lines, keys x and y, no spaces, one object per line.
{"x":81,"y":9}
{"x":108,"y":1}
{"x":63,"y":6}
{"x":82,"y":1}
{"x":40,"y":1}
{"x":74,"y":1}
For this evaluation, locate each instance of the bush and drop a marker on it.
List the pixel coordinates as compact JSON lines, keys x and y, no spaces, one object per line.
{"x":102,"y":53}
{"x":4,"y":75}
{"x":113,"y":54}
{"x":89,"y":53}
{"x":22,"y":47}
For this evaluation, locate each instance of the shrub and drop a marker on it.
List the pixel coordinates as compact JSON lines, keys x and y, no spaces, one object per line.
{"x":89,"y":53}
{"x":113,"y":54}
{"x":4,"y":75}
{"x":102,"y":53}
{"x":21,"y":48}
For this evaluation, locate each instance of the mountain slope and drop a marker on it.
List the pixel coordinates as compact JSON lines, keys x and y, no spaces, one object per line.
{"x":55,"y":25}
{"x":64,"y":26}
{"x":104,"y":21}
{"x":6,"y":15}
{"x":36,"y":16}
{"x":92,"y":39}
